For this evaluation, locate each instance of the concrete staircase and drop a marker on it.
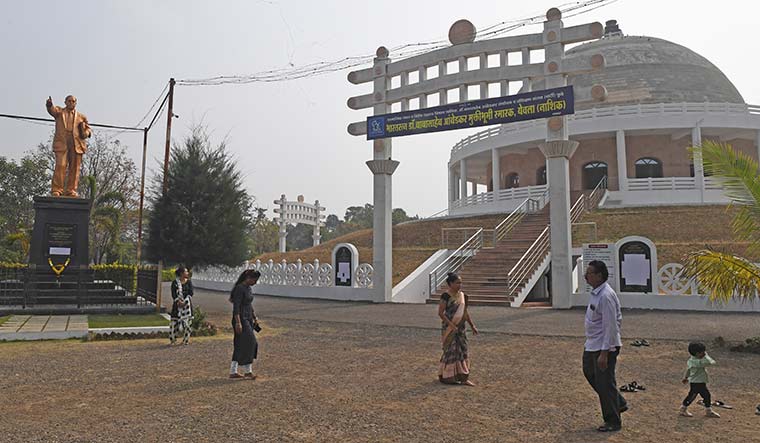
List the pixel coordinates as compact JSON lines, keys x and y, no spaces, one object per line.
{"x":484,"y":277}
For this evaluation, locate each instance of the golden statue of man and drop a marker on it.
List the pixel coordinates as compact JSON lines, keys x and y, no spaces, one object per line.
{"x":69,"y":144}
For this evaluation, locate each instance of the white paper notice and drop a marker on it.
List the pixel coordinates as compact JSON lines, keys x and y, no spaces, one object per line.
{"x":635,"y":269}
{"x":60,"y":251}
{"x":344,"y":271}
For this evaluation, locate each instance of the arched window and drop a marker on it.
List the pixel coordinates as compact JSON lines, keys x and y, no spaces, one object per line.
{"x":512,"y":180}
{"x":648,"y":167}
{"x":541,"y":176}
{"x":593,"y":173}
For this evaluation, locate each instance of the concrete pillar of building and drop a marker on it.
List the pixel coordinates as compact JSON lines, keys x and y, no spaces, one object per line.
{"x":699,"y":169}
{"x":452,"y":186}
{"x":622,"y":163}
{"x":495,"y":170}
{"x":462,"y":179}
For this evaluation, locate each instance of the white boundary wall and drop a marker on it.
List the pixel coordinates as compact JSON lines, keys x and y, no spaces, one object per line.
{"x":415,"y":288}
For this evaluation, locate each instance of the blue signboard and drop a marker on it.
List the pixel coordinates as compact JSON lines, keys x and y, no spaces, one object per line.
{"x":491,"y":111}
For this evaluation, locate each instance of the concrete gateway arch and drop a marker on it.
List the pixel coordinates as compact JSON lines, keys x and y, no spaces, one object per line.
{"x":471,"y":67}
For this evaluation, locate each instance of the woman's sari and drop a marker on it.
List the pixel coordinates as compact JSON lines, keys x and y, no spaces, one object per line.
{"x":455,"y":364}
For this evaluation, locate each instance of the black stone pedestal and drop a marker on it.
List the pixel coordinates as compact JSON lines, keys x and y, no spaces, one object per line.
{"x":60,"y":232}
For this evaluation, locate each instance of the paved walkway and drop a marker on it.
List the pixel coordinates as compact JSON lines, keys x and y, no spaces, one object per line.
{"x":44,"y":327}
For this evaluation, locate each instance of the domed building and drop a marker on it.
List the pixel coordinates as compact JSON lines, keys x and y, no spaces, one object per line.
{"x":662,"y":98}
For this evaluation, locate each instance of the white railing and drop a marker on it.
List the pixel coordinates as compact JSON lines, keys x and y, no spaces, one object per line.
{"x":289,"y":274}
{"x":536,"y":253}
{"x":456,"y":260}
{"x":617,"y":111}
{"x":524,"y":268}
{"x":534,"y":192}
{"x":662,"y":184}
{"x":596,"y":195}
{"x":713,"y":184}
{"x":530,"y":205}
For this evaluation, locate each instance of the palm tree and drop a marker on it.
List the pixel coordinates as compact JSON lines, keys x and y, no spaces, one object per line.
{"x":726,"y":276}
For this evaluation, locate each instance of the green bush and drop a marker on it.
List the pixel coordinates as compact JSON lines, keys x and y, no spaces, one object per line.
{"x":168,"y":274}
{"x":199,"y":325}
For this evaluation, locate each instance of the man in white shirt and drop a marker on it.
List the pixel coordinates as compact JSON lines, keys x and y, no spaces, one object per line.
{"x":603,"y":344}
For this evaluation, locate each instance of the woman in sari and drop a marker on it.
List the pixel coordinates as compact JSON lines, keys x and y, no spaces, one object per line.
{"x":455,"y":363}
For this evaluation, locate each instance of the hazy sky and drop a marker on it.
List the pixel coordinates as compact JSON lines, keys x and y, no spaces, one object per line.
{"x":289,"y":137}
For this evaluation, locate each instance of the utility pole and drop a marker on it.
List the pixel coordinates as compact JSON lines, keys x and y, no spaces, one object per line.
{"x":169,"y":116}
{"x":142,"y":196}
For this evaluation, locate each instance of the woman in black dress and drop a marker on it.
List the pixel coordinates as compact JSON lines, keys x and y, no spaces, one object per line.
{"x":244,"y":323}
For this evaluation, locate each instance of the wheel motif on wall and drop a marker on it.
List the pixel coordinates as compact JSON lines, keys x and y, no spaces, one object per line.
{"x":673,"y":282}
{"x":364,"y":273}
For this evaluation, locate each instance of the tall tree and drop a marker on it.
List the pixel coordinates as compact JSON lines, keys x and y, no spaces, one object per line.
{"x":263,"y":235}
{"x":19,"y":183}
{"x":725,"y":275}
{"x":204,"y":217}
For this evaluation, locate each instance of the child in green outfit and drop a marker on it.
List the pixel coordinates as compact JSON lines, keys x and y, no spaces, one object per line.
{"x":696,"y":376}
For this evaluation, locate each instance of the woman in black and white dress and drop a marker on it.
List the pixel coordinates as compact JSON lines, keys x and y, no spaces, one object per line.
{"x":244,"y":323}
{"x":182,"y":306}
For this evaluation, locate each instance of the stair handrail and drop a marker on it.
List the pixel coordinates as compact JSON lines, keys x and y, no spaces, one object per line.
{"x":527,"y":263}
{"x":537,"y":251}
{"x":596,"y":195}
{"x":529,"y":205}
{"x":456,"y":260}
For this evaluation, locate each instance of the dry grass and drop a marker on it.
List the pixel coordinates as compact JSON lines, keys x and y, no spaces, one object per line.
{"x":676,"y":230}
{"x":413,"y":243}
{"x":333,"y":382}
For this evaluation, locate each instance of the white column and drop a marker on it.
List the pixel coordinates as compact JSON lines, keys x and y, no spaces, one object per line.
{"x":462,"y":179}
{"x":558,"y":149}
{"x":316,"y":235}
{"x":699,"y":169}
{"x":382,"y":168}
{"x":495,"y":170}
{"x":452,"y":186}
{"x":527,"y":82}
{"x":283,"y":231}
{"x":622,"y":163}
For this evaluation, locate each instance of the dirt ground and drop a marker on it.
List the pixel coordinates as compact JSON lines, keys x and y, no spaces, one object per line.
{"x":326,"y":381}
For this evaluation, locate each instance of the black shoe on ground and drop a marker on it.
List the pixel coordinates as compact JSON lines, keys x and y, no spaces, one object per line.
{"x":608,"y":428}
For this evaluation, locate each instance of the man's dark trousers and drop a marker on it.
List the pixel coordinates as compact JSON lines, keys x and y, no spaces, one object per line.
{"x":605,"y":385}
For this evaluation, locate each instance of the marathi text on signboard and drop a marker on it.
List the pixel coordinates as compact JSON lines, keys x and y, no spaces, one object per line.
{"x":471,"y":114}
{"x":61,"y":239}
{"x":604,"y":252}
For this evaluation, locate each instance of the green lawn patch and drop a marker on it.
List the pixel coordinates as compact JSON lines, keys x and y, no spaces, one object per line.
{"x":4,"y":318}
{"x":126,"y":321}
